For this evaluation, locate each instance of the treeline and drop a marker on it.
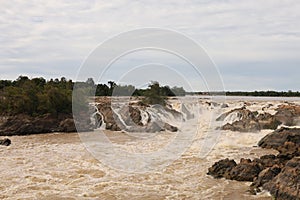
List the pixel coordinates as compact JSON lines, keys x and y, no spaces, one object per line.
{"x":38,"y":96}
{"x":265,"y":94}
{"x":35,"y":96}
{"x":254,"y":93}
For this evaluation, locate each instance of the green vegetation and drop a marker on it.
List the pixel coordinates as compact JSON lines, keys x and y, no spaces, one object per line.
{"x":35,"y":96}
{"x":154,"y":94}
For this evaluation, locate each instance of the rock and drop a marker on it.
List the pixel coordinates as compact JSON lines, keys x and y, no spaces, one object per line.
{"x":5,"y":142}
{"x":243,"y":120}
{"x":246,"y":170}
{"x":265,"y":176}
{"x":240,"y":119}
{"x":268,"y":121}
{"x":247,"y":125}
{"x":24,"y":124}
{"x":286,"y":185}
{"x":129,"y":117}
{"x":221,"y":168}
{"x":170,"y":127}
{"x":240,"y":113}
{"x":224,"y":105}
{"x":277,"y":139}
{"x":67,"y":126}
{"x":288,"y":114}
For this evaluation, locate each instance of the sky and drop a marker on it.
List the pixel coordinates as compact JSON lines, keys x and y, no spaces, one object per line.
{"x":254,"y":44}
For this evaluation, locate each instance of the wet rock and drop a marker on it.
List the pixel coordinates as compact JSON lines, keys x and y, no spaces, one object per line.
{"x":246,"y":170}
{"x":247,"y":125}
{"x":288,"y":114}
{"x":265,"y":176}
{"x":286,"y":185}
{"x":224,"y":105}
{"x":277,"y":139}
{"x":25,"y":124}
{"x":5,"y":142}
{"x":221,"y":168}
{"x":268,"y":121}
{"x":240,"y":119}
{"x":170,"y":127}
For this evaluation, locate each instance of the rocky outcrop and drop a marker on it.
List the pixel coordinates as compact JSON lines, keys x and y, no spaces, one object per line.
{"x":265,"y":176}
{"x":5,"y":142}
{"x":246,"y":170}
{"x":243,"y":120}
{"x":279,"y":174}
{"x":221,"y":168}
{"x":286,"y":185}
{"x":268,"y":121}
{"x":288,"y":114}
{"x":119,"y":117}
{"x":283,"y":140}
{"x":25,"y":124}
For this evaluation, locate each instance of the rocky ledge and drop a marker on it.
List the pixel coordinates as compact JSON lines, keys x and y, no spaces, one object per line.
{"x":244,"y":120}
{"x":279,"y":174}
{"x":24,"y":124}
{"x":135,"y":117}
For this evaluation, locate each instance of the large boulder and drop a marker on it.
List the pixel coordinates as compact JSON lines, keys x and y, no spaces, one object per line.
{"x":288,"y":114}
{"x":285,"y":186}
{"x":240,"y":119}
{"x":278,"y":138}
{"x":221,"y":168}
{"x":268,"y":121}
{"x":247,"y":125}
{"x":246,"y":170}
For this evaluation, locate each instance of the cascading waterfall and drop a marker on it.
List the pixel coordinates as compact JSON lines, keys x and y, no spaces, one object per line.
{"x":97,"y":119}
{"x":173,"y":114}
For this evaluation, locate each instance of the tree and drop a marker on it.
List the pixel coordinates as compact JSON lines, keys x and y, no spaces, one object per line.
{"x":153,"y":95}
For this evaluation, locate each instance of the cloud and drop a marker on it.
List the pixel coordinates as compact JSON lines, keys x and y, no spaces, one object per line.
{"x":244,"y":38}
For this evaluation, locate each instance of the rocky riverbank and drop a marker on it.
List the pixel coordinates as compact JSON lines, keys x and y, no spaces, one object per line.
{"x":279,"y":173}
{"x":24,"y":124}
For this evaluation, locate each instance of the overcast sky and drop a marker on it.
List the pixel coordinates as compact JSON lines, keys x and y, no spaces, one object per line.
{"x":255,"y":44}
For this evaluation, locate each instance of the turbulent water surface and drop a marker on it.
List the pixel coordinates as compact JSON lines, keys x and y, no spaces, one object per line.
{"x":58,"y":166}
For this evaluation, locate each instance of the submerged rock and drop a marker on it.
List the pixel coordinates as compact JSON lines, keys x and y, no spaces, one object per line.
{"x":5,"y":142}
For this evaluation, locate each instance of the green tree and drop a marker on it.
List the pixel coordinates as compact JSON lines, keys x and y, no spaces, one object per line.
{"x":153,"y":95}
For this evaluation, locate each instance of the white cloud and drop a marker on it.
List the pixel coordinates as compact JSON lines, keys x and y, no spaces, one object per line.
{"x":37,"y":34}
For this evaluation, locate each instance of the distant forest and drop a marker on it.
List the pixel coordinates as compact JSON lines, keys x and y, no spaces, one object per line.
{"x":254,"y":94}
{"x":38,"y":96}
